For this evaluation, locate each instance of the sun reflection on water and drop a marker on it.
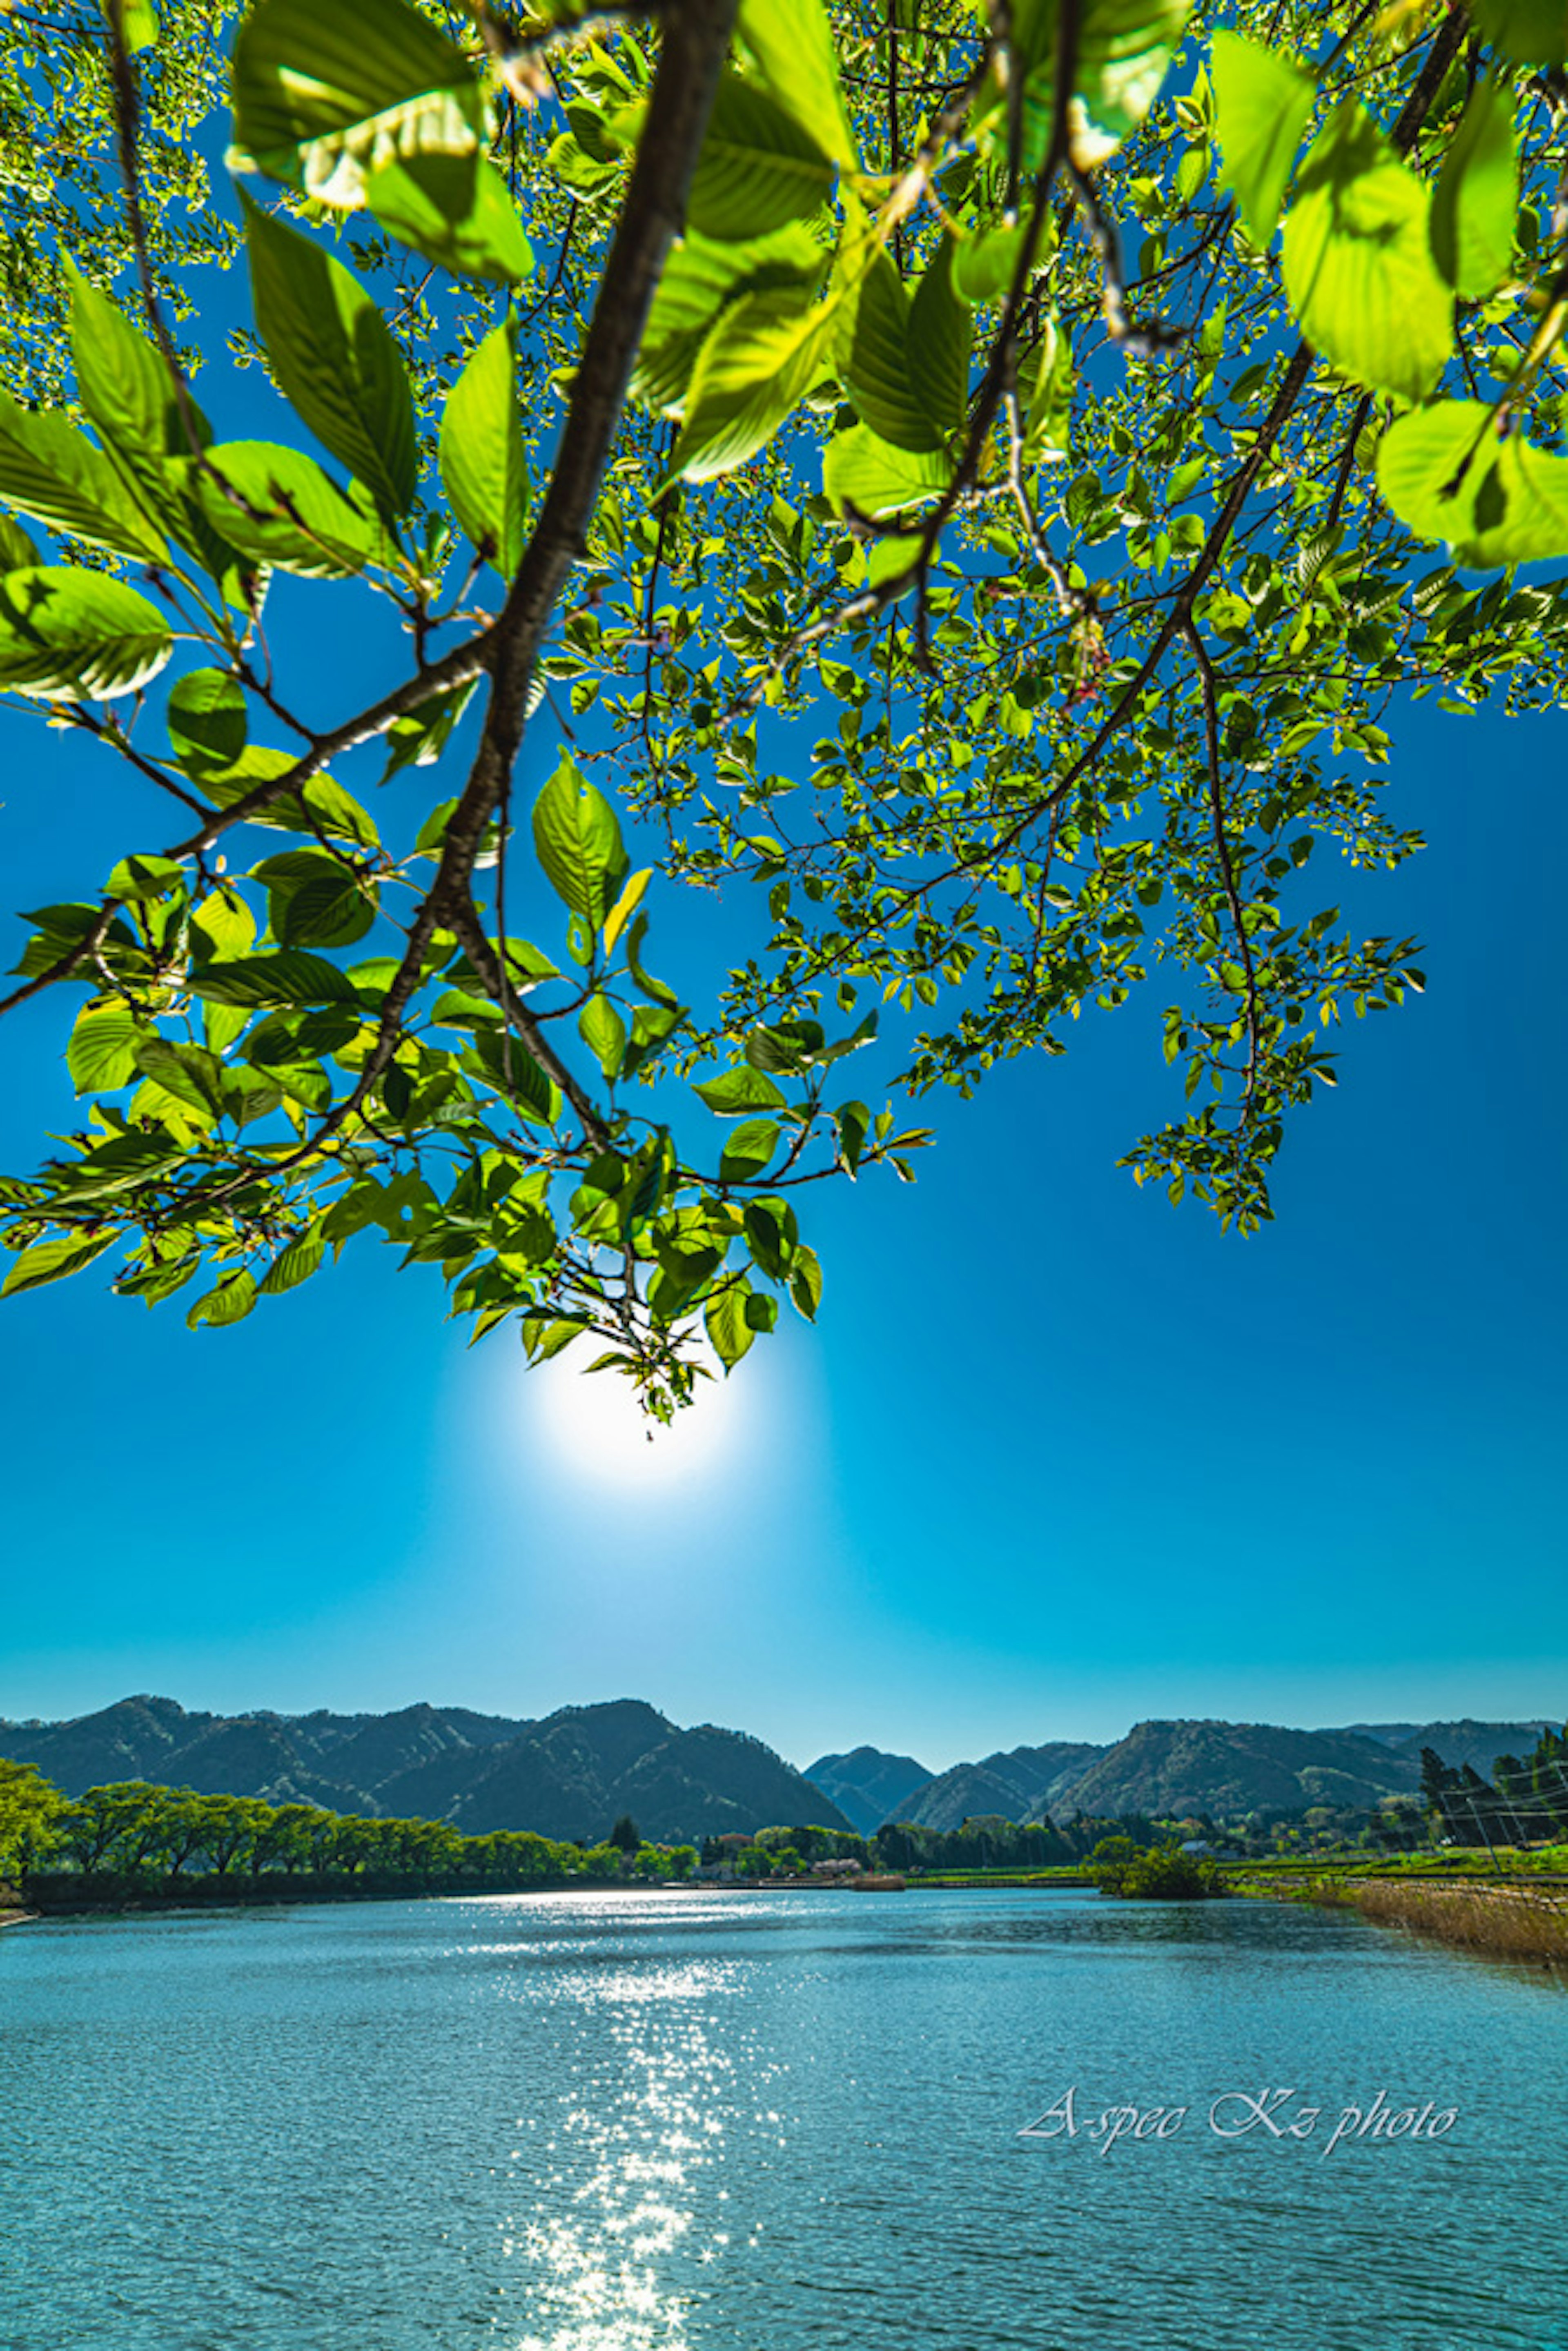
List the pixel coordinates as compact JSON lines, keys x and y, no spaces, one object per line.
{"x":629,"y":2204}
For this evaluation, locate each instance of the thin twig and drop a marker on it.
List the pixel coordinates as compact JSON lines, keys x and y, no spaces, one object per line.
{"x":1222,"y":850}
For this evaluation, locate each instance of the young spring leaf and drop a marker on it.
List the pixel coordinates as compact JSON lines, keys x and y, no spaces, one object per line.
{"x":70,"y":635}
{"x":1264,"y":106}
{"x":700,"y":277}
{"x":483,"y":466}
{"x":49,"y":471}
{"x":578,"y":843}
{"x":1477,"y":196}
{"x":1526,"y":32}
{"x":727,"y":1324}
{"x":738,"y":1090}
{"x":52,"y":1261}
{"x":327,"y":91}
{"x":759,"y":168}
{"x":790,"y":44}
{"x":207,"y":721}
{"x":1444,"y":472}
{"x":457,"y":210}
{"x":278,"y":506}
{"x":17,"y":551}
{"x":101,"y":1054}
{"x":1358,"y":263}
{"x":333,"y":358}
{"x":603,"y":1032}
{"x":762,"y":359}
{"x":938,"y":338}
{"x":873,"y":476}
{"x":873,"y":356}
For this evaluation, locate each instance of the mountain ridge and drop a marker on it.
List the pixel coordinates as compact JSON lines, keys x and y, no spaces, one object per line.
{"x":567,"y":1774}
{"x":572,"y":1772}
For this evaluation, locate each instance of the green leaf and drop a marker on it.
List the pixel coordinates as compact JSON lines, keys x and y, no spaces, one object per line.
{"x":231,"y":1301}
{"x":296,"y":1264}
{"x":603,"y":1032}
{"x":457,"y":210}
{"x":150,"y":433}
{"x":758,"y":167}
{"x":790,"y":43}
{"x":320,"y":805}
{"x":1447,"y":474}
{"x":207,"y":721}
{"x":938,"y":341}
{"x":747,"y":1151}
{"x":189,"y":1073}
{"x":278,"y":506}
{"x":101,"y":1055}
{"x":655,"y":989}
{"x":1124,"y":49}
{"x":483,"y":466}
{"x":70,"y":635}
{"x":419,"y":737}
{"x":1358,"y":263}
{"x":49,"y":471}
{"x":1476,"y":199}
{"x":700,"y":275}
{"x":1048,"y":437}
{"x":578,"y":843}
{"x":17,"y":552}
{"x":145,"y":877}
{"x":1264,"y":106}
{"x":333,"y":358}
{"x":873,"y":355}
{"x":52,"y":1261}
{"x":724,"y":1321}
{"x":1527,"y":32}
{"x":138,"y":23}
{"x":983,"y":265}
{"x":315,"y":900}
{"x":326,"y":91}
{"x":126,"y":390}
{"x":861,"y":470}
{"x":738,"y":1090}
{"x":765,"y":353}
{"x":288,"y":977}
{"x":506,"y":1062}
{"x":806,"y":1282}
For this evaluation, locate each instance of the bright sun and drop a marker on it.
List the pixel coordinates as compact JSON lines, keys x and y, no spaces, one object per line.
{"x":590,"y":1429}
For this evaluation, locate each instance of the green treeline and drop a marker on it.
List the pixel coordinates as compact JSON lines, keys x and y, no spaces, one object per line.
{"x":134,"y":1840}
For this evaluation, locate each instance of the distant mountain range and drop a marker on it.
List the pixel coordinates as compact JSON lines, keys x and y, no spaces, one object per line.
{"x":569,"y":1775}
{"x":868,"y":1786}
{"x":573,"y":1772}
{"x":1169,"y":1769}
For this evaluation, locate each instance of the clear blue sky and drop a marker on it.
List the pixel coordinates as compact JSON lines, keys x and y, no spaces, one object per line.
{"x":1058,"y":1455}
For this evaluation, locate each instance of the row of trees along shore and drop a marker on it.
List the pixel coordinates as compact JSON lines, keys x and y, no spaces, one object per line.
{"x":134,"y":1840}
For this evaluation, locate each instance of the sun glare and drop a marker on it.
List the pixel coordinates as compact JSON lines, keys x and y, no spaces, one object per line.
{"x":590,"y":1429}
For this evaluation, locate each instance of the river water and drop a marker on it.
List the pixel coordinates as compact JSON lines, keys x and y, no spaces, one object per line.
{"x":696,"y":2121}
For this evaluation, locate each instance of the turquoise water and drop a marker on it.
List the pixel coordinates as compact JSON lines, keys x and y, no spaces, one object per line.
{"x":700,"y":2122}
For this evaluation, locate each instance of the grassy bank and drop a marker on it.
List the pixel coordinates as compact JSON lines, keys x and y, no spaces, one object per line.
{"x":1506,"y":1919}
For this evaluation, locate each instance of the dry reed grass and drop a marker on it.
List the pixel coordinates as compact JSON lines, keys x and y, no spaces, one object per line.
{"x":1509,"y":1922}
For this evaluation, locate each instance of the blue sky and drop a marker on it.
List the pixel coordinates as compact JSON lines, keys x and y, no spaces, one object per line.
{"x":1058,"y":1455}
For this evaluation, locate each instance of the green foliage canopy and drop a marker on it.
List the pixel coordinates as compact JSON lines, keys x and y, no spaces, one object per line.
{"x":757,"y":400}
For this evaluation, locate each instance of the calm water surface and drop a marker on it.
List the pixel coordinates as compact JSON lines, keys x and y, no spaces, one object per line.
{"x":701,"y":2122}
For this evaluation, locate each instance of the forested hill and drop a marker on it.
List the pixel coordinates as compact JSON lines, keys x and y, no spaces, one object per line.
{"x":1172,"y":1769}
{"x":569,"y":1775}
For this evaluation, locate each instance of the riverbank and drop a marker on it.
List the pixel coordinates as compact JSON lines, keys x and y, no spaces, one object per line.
{"x":1508,"y":1920}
